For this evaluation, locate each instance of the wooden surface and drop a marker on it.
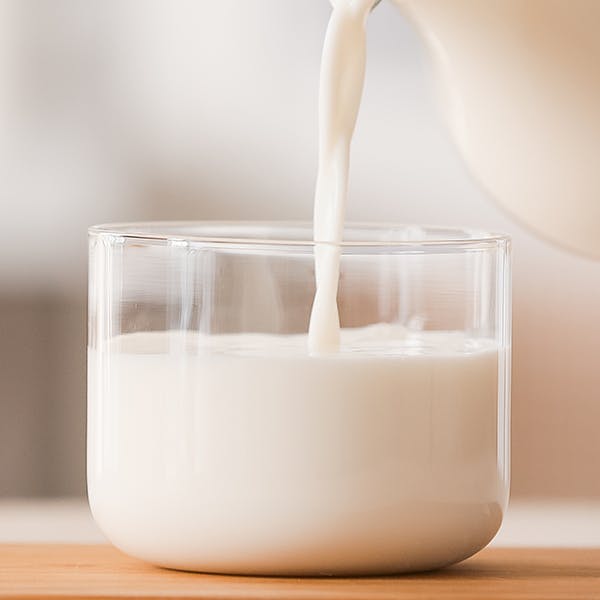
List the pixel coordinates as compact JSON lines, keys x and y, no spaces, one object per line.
{"x":73,"y":571}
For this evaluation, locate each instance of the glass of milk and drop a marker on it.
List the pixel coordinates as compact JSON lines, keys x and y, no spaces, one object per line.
{"x":218,"y":442}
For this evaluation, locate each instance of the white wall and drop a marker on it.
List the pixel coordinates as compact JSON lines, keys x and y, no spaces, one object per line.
{"x":196,"y":109}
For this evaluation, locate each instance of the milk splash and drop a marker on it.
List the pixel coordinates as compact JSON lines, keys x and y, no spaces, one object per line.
{"x":341,"y":85}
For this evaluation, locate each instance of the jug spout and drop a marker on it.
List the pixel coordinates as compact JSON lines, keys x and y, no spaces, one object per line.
{"x":521,"y":90}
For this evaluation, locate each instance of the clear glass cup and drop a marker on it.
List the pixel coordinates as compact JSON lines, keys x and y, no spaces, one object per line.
{"x":217,"y":443}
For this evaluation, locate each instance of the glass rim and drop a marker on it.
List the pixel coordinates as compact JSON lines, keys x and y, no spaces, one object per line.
{"x":153,"y":231}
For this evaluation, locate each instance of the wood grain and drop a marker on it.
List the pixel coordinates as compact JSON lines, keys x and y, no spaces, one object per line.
{"x":101,"y":572}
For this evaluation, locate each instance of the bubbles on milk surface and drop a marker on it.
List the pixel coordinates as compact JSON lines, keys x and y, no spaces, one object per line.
{"x":382,"y":340}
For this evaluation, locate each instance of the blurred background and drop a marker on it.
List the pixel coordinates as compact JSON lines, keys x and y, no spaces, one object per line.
{"x":190,"y":109}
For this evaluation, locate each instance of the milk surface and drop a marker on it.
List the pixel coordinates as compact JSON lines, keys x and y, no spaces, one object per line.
{"x":244,"y":454}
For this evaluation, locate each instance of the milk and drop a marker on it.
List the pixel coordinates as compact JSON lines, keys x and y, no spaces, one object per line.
{"x":241,"y":453}
{"x":367,"y":450}
{"x":341,"y":85}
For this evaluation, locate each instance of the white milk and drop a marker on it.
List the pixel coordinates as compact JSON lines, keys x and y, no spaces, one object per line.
{"x":243,"y":454}
{"x":341,"y":85}
{"x":362,"y":451}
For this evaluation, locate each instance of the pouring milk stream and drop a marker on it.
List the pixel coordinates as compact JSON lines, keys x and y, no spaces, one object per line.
{"x":341,"y":86}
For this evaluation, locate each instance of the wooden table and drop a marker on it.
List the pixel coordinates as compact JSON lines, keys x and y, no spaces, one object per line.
{"x":75,"y":571}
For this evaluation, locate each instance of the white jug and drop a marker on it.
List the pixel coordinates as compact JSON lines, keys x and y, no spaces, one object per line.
{"x":521,"y":81}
